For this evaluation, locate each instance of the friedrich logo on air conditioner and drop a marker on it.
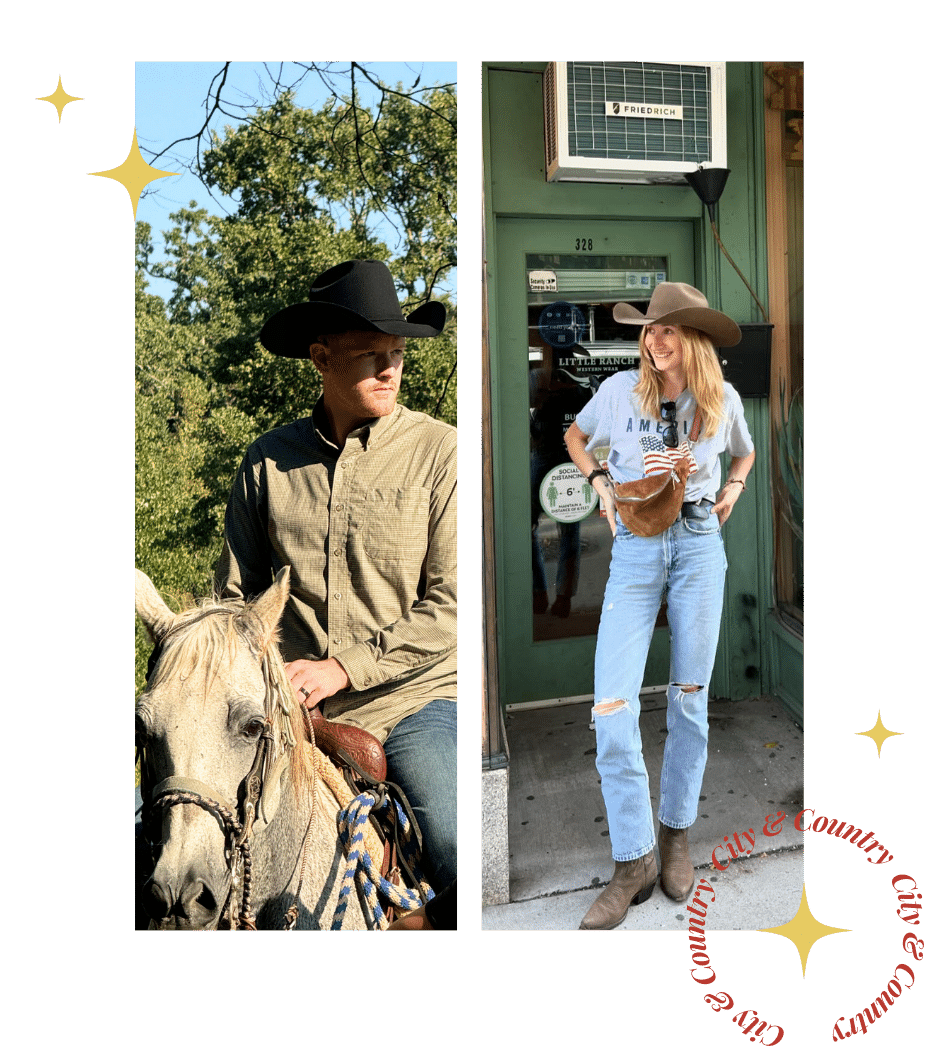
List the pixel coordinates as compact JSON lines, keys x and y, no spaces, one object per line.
{"x":644,"y":110}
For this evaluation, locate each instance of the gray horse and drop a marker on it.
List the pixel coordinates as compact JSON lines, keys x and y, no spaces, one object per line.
{"x":225,"y":745}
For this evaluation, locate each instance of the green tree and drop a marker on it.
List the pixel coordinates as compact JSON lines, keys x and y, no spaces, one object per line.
{"x":186,"y":452}
{"x":312,"y":188}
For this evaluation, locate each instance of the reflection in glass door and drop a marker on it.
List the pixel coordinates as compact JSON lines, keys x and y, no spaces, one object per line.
{"x":573,"y":345}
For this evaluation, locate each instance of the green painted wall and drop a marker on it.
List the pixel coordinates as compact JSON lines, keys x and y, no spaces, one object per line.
{"x":515,"y":187}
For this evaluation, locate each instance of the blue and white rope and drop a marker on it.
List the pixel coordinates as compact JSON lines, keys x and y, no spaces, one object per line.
{"x":360,"y":871}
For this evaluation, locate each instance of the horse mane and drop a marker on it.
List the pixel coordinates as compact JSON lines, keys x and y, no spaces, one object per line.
{"x":205,"y":637}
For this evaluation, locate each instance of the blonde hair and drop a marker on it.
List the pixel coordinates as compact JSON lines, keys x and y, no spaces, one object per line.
{"x":702,"y":374}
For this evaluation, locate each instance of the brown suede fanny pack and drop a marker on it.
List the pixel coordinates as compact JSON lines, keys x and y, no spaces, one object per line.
{"x":649,"y":506}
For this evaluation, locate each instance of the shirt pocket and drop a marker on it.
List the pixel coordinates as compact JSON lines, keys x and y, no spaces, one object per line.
{"x":393,"y":526}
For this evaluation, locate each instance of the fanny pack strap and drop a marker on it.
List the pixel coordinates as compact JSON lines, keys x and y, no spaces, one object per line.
{"x":696,"y":427}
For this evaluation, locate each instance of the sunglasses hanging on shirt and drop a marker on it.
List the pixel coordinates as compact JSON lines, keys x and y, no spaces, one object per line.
{"x":670,"y":433}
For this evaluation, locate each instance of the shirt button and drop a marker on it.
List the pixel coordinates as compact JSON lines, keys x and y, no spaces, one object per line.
{"x":337,"y":552}
{"x":344,"y":464}
{"x":337,"y":596}
{"x":337,"y":640}
{"x":338,"y":507}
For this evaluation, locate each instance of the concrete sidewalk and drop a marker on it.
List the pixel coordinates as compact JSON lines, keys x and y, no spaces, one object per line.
{"x":559,"y":853}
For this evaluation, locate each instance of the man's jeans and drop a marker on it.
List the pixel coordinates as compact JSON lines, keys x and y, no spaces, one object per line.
{"x":687,"y":562}
{"x":421,"y":758}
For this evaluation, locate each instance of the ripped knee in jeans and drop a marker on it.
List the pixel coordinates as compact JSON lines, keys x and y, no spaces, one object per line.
{"x":687,"y":689}
{"x":608,"y":706}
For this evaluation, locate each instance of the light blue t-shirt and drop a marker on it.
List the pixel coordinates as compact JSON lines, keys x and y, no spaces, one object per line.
{"x":614,"y":418}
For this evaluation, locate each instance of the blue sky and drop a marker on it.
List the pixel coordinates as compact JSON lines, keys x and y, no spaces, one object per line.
{"x":169,"y":104}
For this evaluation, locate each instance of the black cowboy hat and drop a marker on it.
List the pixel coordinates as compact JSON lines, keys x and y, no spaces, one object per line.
{"x":352,"y":296}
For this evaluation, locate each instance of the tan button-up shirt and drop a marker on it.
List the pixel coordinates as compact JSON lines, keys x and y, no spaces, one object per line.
{"x":369,"y":531}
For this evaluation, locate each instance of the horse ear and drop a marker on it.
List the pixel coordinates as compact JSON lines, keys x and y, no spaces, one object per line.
{"x":269,"y":606}
{"x":153,"y":612}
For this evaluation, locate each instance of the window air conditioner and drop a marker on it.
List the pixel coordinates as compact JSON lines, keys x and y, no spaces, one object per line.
{"x":633,"y":123}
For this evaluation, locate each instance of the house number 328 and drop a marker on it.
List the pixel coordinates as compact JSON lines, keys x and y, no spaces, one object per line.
{"x":584,"y":244}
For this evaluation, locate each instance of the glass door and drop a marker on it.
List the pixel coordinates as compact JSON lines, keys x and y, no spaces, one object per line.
{"x":573,"y":345}
{"x":558,"y":340}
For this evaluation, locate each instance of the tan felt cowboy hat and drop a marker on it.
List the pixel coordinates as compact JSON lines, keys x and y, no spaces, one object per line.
{"x":352,"y":296}
{"x":678,"y":303}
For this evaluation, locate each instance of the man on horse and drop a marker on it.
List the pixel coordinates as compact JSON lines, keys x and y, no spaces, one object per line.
{"x":359,"y":499}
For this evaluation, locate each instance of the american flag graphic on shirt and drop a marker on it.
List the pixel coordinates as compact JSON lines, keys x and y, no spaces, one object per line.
{"x":658,"y":459}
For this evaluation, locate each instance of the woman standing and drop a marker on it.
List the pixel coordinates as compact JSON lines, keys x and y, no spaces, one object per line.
{"x":675,"y":406}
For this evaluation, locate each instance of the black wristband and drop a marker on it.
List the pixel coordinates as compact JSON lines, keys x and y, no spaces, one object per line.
{"x":593,"y":474}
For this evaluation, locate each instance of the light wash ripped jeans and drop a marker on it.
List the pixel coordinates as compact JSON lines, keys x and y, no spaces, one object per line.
{"x":688,"y":563}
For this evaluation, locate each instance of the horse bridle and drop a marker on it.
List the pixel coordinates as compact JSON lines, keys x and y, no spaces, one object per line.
{"x":236,"y":822}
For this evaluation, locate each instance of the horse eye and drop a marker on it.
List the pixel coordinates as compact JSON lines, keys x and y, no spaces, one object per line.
{"x":253,"y":729}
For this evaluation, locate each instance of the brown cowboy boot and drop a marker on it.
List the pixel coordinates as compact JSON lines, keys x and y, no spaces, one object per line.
{"x":632,"y":884}
{"x":678,"y":874}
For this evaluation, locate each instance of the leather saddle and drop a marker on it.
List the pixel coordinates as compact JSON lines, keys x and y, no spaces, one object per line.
{"x":347,"y":744}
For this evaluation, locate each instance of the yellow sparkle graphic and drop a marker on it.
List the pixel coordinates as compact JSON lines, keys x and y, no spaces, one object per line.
{"x":134,"y":173}
{"x":803,"y":930}
{"x":59,"y":98}
{"x":879,"y":734}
